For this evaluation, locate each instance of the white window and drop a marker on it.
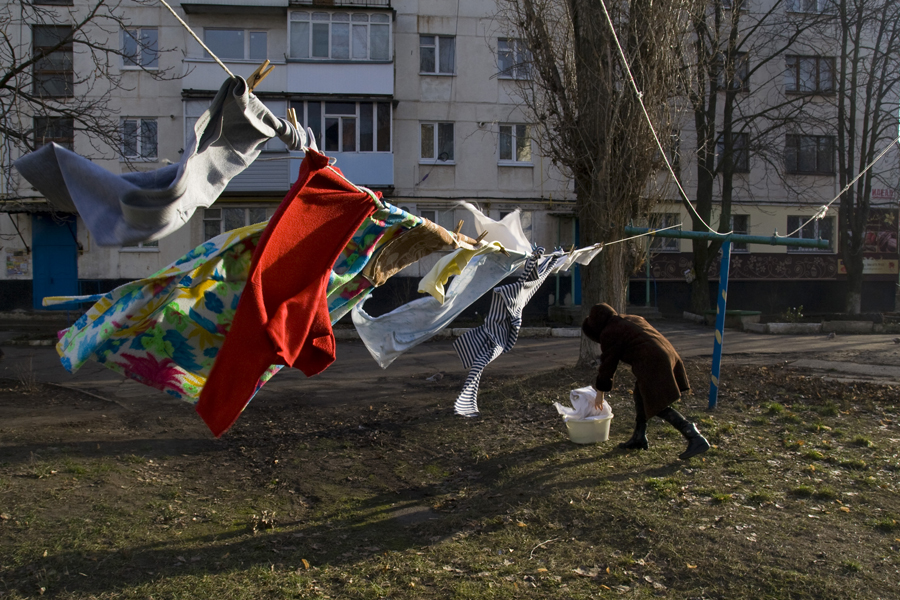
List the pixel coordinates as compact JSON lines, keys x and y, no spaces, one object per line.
{"x":444,"y":218}
{"x":347,"y":126}
{"x":340,"y":35}
{"x":279,"y":110}
{"x":141,"y":247}
{"x":140,"y":48}
{"x":513,"y":59}
{"x":436,"y":142}
{"x":236,"y":44}
{"x":814,"y":230}
{"x":217,"y":221}
{"x":193,"y":109}
{"x":437,"y":54}
{"x":661,"y":221}
{"x":515,"y":143}
{"x":809,"y":74}
{"x":139,"y":139}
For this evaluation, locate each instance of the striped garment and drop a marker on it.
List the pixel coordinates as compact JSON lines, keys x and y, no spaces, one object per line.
{"x":481,"y":345}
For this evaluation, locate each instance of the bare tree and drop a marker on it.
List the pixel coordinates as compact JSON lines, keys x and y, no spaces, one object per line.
{"x":732,"y":47}
{"x":867,"y":97}
{"x":45,"y":96}
{"x":592,"y":125}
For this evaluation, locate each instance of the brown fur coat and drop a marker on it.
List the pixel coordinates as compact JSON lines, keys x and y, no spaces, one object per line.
{"x":632,"y":340}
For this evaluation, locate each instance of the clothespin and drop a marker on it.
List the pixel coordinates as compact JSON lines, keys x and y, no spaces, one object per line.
{"x":292,"y":118}
{"x":458,"y":228}
{"x":481,"y":236}
{"x":261,"y":72}
{"x":572,"y":249}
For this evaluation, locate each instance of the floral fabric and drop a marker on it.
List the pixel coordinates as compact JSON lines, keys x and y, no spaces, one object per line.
{"x":166,"y":330}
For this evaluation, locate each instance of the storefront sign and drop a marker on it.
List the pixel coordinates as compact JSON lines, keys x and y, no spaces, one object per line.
{"x":874,"y":266}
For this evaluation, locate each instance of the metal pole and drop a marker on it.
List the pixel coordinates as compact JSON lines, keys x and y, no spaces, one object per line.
{"x":721,"y":301}
{"x":734,"y":237}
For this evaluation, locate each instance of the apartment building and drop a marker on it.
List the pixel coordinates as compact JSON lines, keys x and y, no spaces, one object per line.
{"x":414,"y":99}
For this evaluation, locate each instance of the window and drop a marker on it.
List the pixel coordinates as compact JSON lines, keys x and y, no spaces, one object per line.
{"x":436,"y":142}
{"x":217,"y":221}
{"x":53,"y":74}
{"x":140,"y":48}
{"x":54,"y":2}
{"x":437,"y":54}
{"x":54,"y":129}
{"x":740,"y":224}
{"x":347,"y":126}
{"x":728,"y":4}
{"x":822,"y":228}
{"x":340,"y":36}
{"x":740,"y":152}
{"x":811,"y":6}
{"x":141,"y":247}
{"x":139,"y":139}
{"x":515,"y":144}
{"x":809,"y":154}
{"x":809,"y":74}
{"x":444,"y":218}
{"x":513,"y":59}
{"x":237,"y":44}
{"x":740,"y":80}
{"x":661,"y":221}
{"x":193,"y":110}
{"x":525,"y":219}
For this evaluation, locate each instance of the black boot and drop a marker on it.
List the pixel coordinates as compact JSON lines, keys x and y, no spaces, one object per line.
{"x":638,"y":439}
{"x":697,"y":444}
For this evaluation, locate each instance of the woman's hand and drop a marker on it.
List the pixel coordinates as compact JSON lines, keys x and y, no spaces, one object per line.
{"x":598,"y":401}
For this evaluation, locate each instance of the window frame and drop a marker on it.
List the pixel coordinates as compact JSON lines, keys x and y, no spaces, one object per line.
{"x":816,"y":226}
{"x":823,"y":7}
{"x":379,"y":107}
{"x":789,"y":137}
{"x":369,"y":23}
{"x":64,"y":53}
{"x":138,"y":58}
{"x":739,"y":150}
{"x":740,"y":246}
{"x":246,"y":51}
{"x":741,"y":73}
{"x":208,"y":218}
{"x":661,"y":221}
{"x":794,"y":71}
{"x":140,"y":157}
{"x":436,"y":160}
{"x":437,"y":54}
{"x":141,"y":247}
{"x":514,"y":161}
{"x":67,"y":142}
{"x":518,"y":50}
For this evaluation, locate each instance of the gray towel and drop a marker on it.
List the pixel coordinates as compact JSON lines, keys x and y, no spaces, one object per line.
{"x":141,"y":207}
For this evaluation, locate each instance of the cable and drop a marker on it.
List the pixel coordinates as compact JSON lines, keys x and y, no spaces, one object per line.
{"x":191,"y":31}
{"x":651,"y":232}
{"x":823,"y":210}
{"x":640,"y":97}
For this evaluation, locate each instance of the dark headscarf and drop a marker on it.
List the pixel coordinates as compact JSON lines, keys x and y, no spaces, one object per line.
{"x":597,"y":320}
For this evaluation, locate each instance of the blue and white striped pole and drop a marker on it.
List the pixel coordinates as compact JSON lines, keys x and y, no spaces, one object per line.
{"x":721,"y":301}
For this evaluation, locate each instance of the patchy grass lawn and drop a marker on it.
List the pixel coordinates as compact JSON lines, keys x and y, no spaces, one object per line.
{"x":797,"y":499}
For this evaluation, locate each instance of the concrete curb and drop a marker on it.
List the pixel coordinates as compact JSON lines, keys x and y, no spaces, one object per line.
{"x":455,"y":332}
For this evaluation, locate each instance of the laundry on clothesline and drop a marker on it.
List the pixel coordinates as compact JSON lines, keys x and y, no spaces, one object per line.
{"x":581,"y":256}
{"x":395,"y":255}
{"x":166,"y":330}
{"x":388,"y":336}
{"x":479,"y":346}
{"x":282,"y":316}
{"x":145,"y":206}
{"x":452,"y":264}
{"x":508,"y":230}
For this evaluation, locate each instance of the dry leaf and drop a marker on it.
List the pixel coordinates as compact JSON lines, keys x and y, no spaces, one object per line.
{"x":592,"y":572}
{"x":542,"y":570}
{"x":690,"y":566}
{"x":305,"y":563}
{"x":845,"y":509}
{"x":521,"y":524}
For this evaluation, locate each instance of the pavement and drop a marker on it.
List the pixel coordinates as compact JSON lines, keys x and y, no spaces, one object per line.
{"x":355,"y":376}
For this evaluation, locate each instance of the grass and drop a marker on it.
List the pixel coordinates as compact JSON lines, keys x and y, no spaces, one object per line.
{"x":410,"y":502}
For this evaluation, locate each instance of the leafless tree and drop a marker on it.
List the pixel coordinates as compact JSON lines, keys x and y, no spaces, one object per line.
{"x":592,"y":125}
{"x":867,"y":100}
{"x":733,"y":47}
{"x":43,"y":97}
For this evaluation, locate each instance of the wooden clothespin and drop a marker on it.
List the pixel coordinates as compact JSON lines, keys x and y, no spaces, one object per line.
{"x":481,"y":236}
{"x":572,"y":249}
{"x":261,"y":72}
{"x":458,"y":228}
{"x":292,"y":118}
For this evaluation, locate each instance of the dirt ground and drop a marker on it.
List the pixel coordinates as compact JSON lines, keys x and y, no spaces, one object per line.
{"x":396,"y":498}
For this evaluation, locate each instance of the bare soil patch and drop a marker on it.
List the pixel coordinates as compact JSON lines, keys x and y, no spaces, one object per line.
{"x":396,"y":498}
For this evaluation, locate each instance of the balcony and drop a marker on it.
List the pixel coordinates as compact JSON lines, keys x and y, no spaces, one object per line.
{"x":369,"y":169}
{"x":343,"y":3}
